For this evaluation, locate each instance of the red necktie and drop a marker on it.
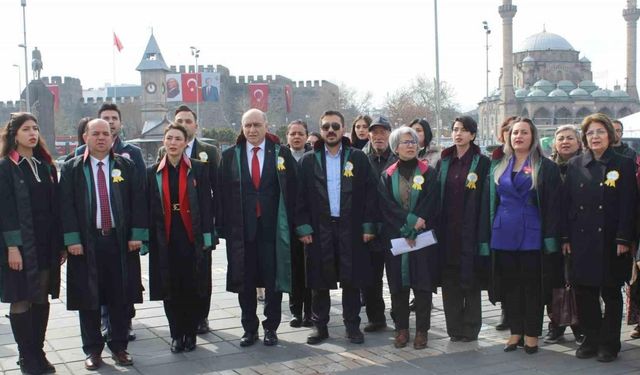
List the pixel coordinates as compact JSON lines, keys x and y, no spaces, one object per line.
{"x":105,"y":211}
{"x":255,"y":176}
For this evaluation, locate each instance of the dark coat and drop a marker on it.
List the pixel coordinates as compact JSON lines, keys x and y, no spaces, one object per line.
{"x":357,"y":216}
{"x":548,"y":195}
{"x":126,"y":150}
{"x":199,"y":197}
{"x":129,"y":205}
{"x":470,"y":267}
{"x":18,"y":230}
{"x":230,"y":216}
{"x":420,"y":268}
{"x":598,"y":217}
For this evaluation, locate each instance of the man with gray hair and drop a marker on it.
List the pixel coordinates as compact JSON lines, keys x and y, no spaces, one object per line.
{"x":257,"y":187}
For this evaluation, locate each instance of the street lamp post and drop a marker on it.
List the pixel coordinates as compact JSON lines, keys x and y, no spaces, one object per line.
{"x":437,"y":83}
{"x":23,"y":3}
{"x":195,"y":52}
{"x":19,"y":83}
{"x":486,"y":126}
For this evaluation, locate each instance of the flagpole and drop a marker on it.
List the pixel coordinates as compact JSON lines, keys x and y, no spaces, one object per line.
{"x":113,"y":56}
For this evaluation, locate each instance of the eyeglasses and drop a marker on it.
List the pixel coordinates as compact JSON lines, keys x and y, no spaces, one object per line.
{"x":333,"y":125}
{"x":598,"y":132}
{"x":409,"y":142}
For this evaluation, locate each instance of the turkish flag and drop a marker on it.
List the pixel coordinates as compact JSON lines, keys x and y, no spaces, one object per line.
{"x":55,"y":91}
{"x":288,"y":97}
{"x":259,"y":96}
{"x":191,"y":87}
{"x":117,"y":43}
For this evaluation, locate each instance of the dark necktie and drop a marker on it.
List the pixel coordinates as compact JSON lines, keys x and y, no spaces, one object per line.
{"x":255,"y":176}
{"x":105,"y":211}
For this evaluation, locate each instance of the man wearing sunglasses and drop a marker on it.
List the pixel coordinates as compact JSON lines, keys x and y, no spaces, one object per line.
{"x":335,"y":214}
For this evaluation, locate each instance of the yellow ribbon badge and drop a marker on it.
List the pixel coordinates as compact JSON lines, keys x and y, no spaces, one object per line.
{"x":281,"y":166}
{"x":612,"y":177}
{"x":472,"y":178}
{"x":417,"y":182}
{"x":203,"y":156}
{"x":348,"y":169}
{"x":116,"y":174}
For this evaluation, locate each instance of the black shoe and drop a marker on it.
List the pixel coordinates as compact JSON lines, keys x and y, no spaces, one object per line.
{"x":468,"y":339}
{"x":306,"y":322}
{"x":455,"y":338}
{"x":318,"y":335}
{"x":606,"y":356}
{"x":553,"y":336}
{"x":189,"y":343}
{"x":131,"y":336}
{"x":579,"y":338}
{"x":203,"y":327}
{"x":373,"y":326}
{"x":355,"y":336}
{"x":510,"y":348}
{"x":585,"y":352}
{"x":177,"y":345}
{"x":249,"y":339}
{"x":296,"y":321}
{"x":270,"y":337}
{"x":530,"y":349}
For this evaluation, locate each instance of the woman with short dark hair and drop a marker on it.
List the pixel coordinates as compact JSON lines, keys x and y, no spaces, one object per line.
{"x":33,"y":249}
{"x":599,"y":201}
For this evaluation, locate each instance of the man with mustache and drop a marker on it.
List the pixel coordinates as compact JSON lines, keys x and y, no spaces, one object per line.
{"x":335,"y":219}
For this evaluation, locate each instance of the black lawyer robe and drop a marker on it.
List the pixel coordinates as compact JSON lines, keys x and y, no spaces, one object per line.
{"x":199,"y":196}
{"x":357,"y":217}
{"x":129,"y":209}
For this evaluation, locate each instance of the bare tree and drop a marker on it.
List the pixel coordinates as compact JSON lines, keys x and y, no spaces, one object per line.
{"x":352,"y":103}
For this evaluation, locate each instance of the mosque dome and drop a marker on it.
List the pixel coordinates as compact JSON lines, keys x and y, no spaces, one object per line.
{"x":558,"y":93}
{"x":584,"y":60}
{"x":545,"y":41}
{"x":544,"y":85}
{"x":566,"y":85}
{"x":579,"y":92}
{"x":619,"y":94}
{"x":600,"y":93}
{"x":528,"y":59}
{"x":589,"y":86}
{"x":537,"y":93}
{"x":521,"y":93}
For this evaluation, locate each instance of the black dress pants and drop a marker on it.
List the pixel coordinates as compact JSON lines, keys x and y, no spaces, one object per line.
{"x":462,"y":306}
{"x":112,"y":295}
{"x":300,"y":296}
{"x":184,"y":308}
{"x":522,"y":290}
{"x":258,"y":256}
{"x":373,"y":294}
{"x":602,"y":332}
{"x":400,"y":307}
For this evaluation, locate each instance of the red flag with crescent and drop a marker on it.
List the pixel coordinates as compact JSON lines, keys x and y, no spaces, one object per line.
{"x":55,"y":91}
{"x":288,"y":97}
{"x":117,"y":43}
{"x":191,"y":87}
{"x":259,"y":96}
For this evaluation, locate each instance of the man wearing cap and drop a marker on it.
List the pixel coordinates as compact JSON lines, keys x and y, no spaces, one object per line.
{"x":380,"y":156}
{"x":335,"y":214}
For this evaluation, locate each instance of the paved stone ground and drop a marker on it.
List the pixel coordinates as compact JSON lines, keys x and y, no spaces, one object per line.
{"x":219,"y":352}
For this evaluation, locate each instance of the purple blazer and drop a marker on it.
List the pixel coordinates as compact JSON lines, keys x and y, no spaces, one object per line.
{"x":517,"y":224}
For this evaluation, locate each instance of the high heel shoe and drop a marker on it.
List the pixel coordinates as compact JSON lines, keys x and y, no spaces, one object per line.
{"x":510,"y":347}
{"x":530,"y":349}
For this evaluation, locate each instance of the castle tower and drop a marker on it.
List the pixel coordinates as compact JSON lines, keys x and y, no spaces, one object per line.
{"x":507,"y":12}
{"x":631,"y":14}
{"x":153,"y":72}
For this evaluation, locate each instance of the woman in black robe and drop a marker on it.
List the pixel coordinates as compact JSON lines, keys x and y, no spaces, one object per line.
{"x":180,"y":237}
{"x":33,"y":248}
{"x":409,"y":204}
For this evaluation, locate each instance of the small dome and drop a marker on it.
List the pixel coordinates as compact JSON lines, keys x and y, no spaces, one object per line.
{"x":528,"y":59}
{"x":584,"y":60}
{"x":545,"y":85}
{"x":545,"y":41}
{"x":600,"y":93}
{"x":496,"y":92}
{"x":566,"y":85}
{"x":521,"y":93}
{"x":579,"y":92}
{"x":618,"y":94}
{"x":587,"y":85}
{"x":557,"y":93}
{"x":537,"y":93}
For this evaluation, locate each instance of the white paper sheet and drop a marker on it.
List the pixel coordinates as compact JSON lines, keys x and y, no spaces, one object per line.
{"x":400,"y":245}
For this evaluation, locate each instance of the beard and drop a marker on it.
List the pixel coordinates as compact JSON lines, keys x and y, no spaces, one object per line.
{"x":334,"y":142}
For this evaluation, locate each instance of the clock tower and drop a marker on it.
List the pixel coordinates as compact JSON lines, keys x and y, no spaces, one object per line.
{"x":153,"y":72}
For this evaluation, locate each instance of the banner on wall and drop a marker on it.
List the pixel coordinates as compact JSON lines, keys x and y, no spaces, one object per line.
{"x":288,"y":97}
{"x":55,"y":91}
{"x":191,"y":87}
{"x":174,"y":88}
{"x":210,"y":87}
{"x":259,"y":96}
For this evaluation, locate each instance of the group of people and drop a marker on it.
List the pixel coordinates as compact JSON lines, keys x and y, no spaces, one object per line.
{"x":307,"y":217}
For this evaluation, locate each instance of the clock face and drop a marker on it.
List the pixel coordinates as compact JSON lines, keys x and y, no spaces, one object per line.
{"x":151,"y":87}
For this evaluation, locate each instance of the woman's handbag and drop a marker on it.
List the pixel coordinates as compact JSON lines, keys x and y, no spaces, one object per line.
{"x":564,"y":310}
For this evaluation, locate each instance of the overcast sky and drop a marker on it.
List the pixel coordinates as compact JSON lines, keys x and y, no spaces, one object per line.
{"x":370,"y":45}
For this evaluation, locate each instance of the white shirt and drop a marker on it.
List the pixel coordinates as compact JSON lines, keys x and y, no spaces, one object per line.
{"x":105,"y":170}
{"x":189,"y":149}
{"x":260,"y":155}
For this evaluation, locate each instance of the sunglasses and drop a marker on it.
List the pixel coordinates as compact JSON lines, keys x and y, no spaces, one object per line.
{"x":333,"y":125}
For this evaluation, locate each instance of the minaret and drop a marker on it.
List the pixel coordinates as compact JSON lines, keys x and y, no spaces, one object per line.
{"x":507,"y":12}
{"x":631,"y":14}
